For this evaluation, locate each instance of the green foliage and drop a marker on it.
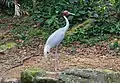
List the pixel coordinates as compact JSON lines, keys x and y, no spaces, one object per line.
{"x":115,"y":45}
{"x":24,"y":34}
{"x":94,"y":33}
{"x":48,"y":14}
{"x":6,"y":46}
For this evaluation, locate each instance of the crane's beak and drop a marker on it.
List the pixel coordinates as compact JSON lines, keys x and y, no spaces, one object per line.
{"x":71,"y":13}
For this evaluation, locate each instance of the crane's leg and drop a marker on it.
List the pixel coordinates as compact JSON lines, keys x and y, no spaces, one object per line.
{"x":56,"y":59}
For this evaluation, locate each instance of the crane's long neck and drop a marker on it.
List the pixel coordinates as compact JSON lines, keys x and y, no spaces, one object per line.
{"x":67,"y":23}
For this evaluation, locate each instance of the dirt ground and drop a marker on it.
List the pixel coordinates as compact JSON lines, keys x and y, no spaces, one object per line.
{"x":16,"y":60}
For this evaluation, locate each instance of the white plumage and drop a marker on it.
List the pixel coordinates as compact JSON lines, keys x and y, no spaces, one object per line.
{"x":56,"y":38}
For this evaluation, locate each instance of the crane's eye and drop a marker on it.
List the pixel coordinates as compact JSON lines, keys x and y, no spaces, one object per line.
{"x":47,"y":52}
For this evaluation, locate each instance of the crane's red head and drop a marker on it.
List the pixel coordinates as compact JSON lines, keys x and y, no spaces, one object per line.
{"x":66,"y":13}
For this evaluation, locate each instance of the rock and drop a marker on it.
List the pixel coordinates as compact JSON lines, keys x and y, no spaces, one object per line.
{"x":10,"y":80}
{"x":38,"y":76}
{"x":45,"y":80}
{"x":71,"y":76}
{"x":89,"y":76}
{"x":29,"y":75}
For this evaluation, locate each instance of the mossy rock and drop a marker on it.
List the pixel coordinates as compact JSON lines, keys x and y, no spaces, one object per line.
{"x":89,"y":76}
{"x":37,"y":76}
{"x":29,"y":75}
{"x":71,"y":76}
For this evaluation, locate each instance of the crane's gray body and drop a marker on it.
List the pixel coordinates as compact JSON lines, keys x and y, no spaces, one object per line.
{"x":56,"y":38}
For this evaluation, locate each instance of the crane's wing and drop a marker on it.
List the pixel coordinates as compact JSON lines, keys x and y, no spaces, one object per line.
{"x":56,"y":38}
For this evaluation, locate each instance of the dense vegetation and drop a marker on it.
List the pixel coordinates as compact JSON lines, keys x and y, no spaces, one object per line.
{"x":95,"y":20}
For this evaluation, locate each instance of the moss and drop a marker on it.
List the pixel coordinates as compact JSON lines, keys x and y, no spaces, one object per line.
{"x":28,"y":75}
{"x":108,"y":71}
{"x":6,"y":46}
